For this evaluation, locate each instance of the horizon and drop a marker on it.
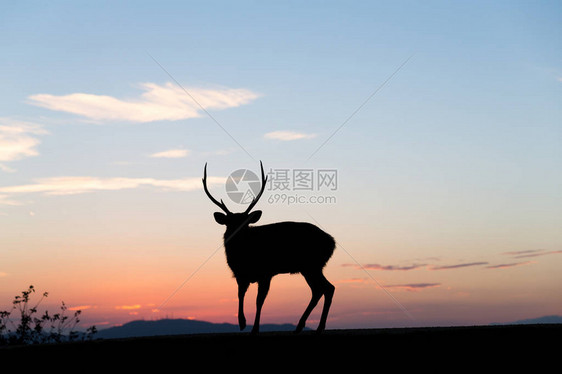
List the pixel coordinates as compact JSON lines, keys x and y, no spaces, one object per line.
{"x":550,"y":319}
{"x":425,"y":138}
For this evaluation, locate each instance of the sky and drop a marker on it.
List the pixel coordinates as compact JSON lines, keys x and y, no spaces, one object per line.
{"x":424,"y":136}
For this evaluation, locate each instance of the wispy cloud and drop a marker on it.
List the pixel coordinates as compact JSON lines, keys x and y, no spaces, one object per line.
{"x":171,"y":153}
{"x":288,"y":135}
{"x":523,"y":253}
{"x":166,"y":102}
{"x":81,"y":307}
{"x":6,"y":200}
{"x":7,"y":169}
{"x":458,"y":266}
{"x":413,"y":286}
{"x":79,"y":185}
{"x":387,"y":267}
{"x":509,"y":265}
{"x":520,"y":254}
{"x":128,"y":307}
{"x":18,"y":140}
{"x":531,"y":253}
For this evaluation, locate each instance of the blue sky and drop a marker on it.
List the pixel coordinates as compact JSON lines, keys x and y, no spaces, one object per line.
{"x":456,"y":156}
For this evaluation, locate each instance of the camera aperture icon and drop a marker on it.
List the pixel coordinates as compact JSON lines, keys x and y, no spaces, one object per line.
{"x":242,"y":186}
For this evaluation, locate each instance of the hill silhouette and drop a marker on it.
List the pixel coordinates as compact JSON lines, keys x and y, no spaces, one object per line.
{"x":179,"y":326}
{"x":161,"y":327}
{"x":553,"y":319}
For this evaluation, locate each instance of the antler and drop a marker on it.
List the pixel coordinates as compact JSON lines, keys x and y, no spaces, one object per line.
{"x":219,"y":204}
{"x":263,"y":182}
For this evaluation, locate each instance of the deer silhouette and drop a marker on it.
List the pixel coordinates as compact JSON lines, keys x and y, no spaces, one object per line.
{"x":258,"y":253}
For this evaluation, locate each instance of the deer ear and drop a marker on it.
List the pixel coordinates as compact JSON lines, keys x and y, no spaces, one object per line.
{"x":220,"y":218}
{"x":255,"y":216}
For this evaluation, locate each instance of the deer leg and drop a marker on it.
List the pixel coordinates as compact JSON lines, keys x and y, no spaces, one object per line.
{"x":263,"y":289}
{"x":315,"y":287}
{"x":242,"y":288}
{"x":328,"y":291}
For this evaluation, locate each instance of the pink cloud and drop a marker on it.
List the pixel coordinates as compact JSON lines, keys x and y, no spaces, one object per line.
{"x":457,"y":266}
{"x":414,"y":286}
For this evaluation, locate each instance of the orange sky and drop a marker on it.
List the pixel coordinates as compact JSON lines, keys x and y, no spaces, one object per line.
{"x":132,"y":278}
{"x":445,"y":137}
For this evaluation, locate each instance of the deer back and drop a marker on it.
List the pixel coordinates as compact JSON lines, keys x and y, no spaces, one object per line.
{"x":284,"y":247}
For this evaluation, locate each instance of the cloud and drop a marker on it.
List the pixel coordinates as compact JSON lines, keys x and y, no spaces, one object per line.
{"x":80,"y":185}
{"x":457,"y":266}
{"x":414,"y":286}
{"x":171,"y":153}
{"x":166,"y":102}
{"x":503,"y":266}
{"x":128,"y":307}
{"x":18,"y":140}
{"x":81,"y":307}
{"x":519,"y":254}
{"x":393,"y":267}
{"x":5,"y":200}
{"x":7,"y":169}
{"x":288,"y":135}
{"x":387,"y":267}
{"x":523,"y":253}
{"x":531,"y":253}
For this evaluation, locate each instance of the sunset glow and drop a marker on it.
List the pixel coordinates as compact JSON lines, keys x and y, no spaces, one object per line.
{"x":424,"y":137}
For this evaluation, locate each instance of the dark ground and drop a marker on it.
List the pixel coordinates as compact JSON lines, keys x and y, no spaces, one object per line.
{"x":533,"y":347}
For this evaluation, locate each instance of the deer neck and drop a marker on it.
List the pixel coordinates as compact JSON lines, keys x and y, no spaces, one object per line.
{"x":233,"y":236}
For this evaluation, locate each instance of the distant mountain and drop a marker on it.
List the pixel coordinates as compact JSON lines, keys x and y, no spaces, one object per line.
{"x":178,"y":327}
{"x":539,"y":320}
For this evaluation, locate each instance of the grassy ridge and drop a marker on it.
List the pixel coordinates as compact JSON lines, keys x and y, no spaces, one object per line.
{"x":402,"y":346}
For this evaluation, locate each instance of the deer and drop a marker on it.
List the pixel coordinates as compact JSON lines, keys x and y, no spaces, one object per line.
{"x":255,"y":254}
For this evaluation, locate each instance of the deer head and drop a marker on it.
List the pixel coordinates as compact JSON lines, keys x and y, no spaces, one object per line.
{"x":236,"y":220}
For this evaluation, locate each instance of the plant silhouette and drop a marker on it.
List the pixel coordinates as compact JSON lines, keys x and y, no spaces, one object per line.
{"x":258,"y":253}
{"x":48,"y":328}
